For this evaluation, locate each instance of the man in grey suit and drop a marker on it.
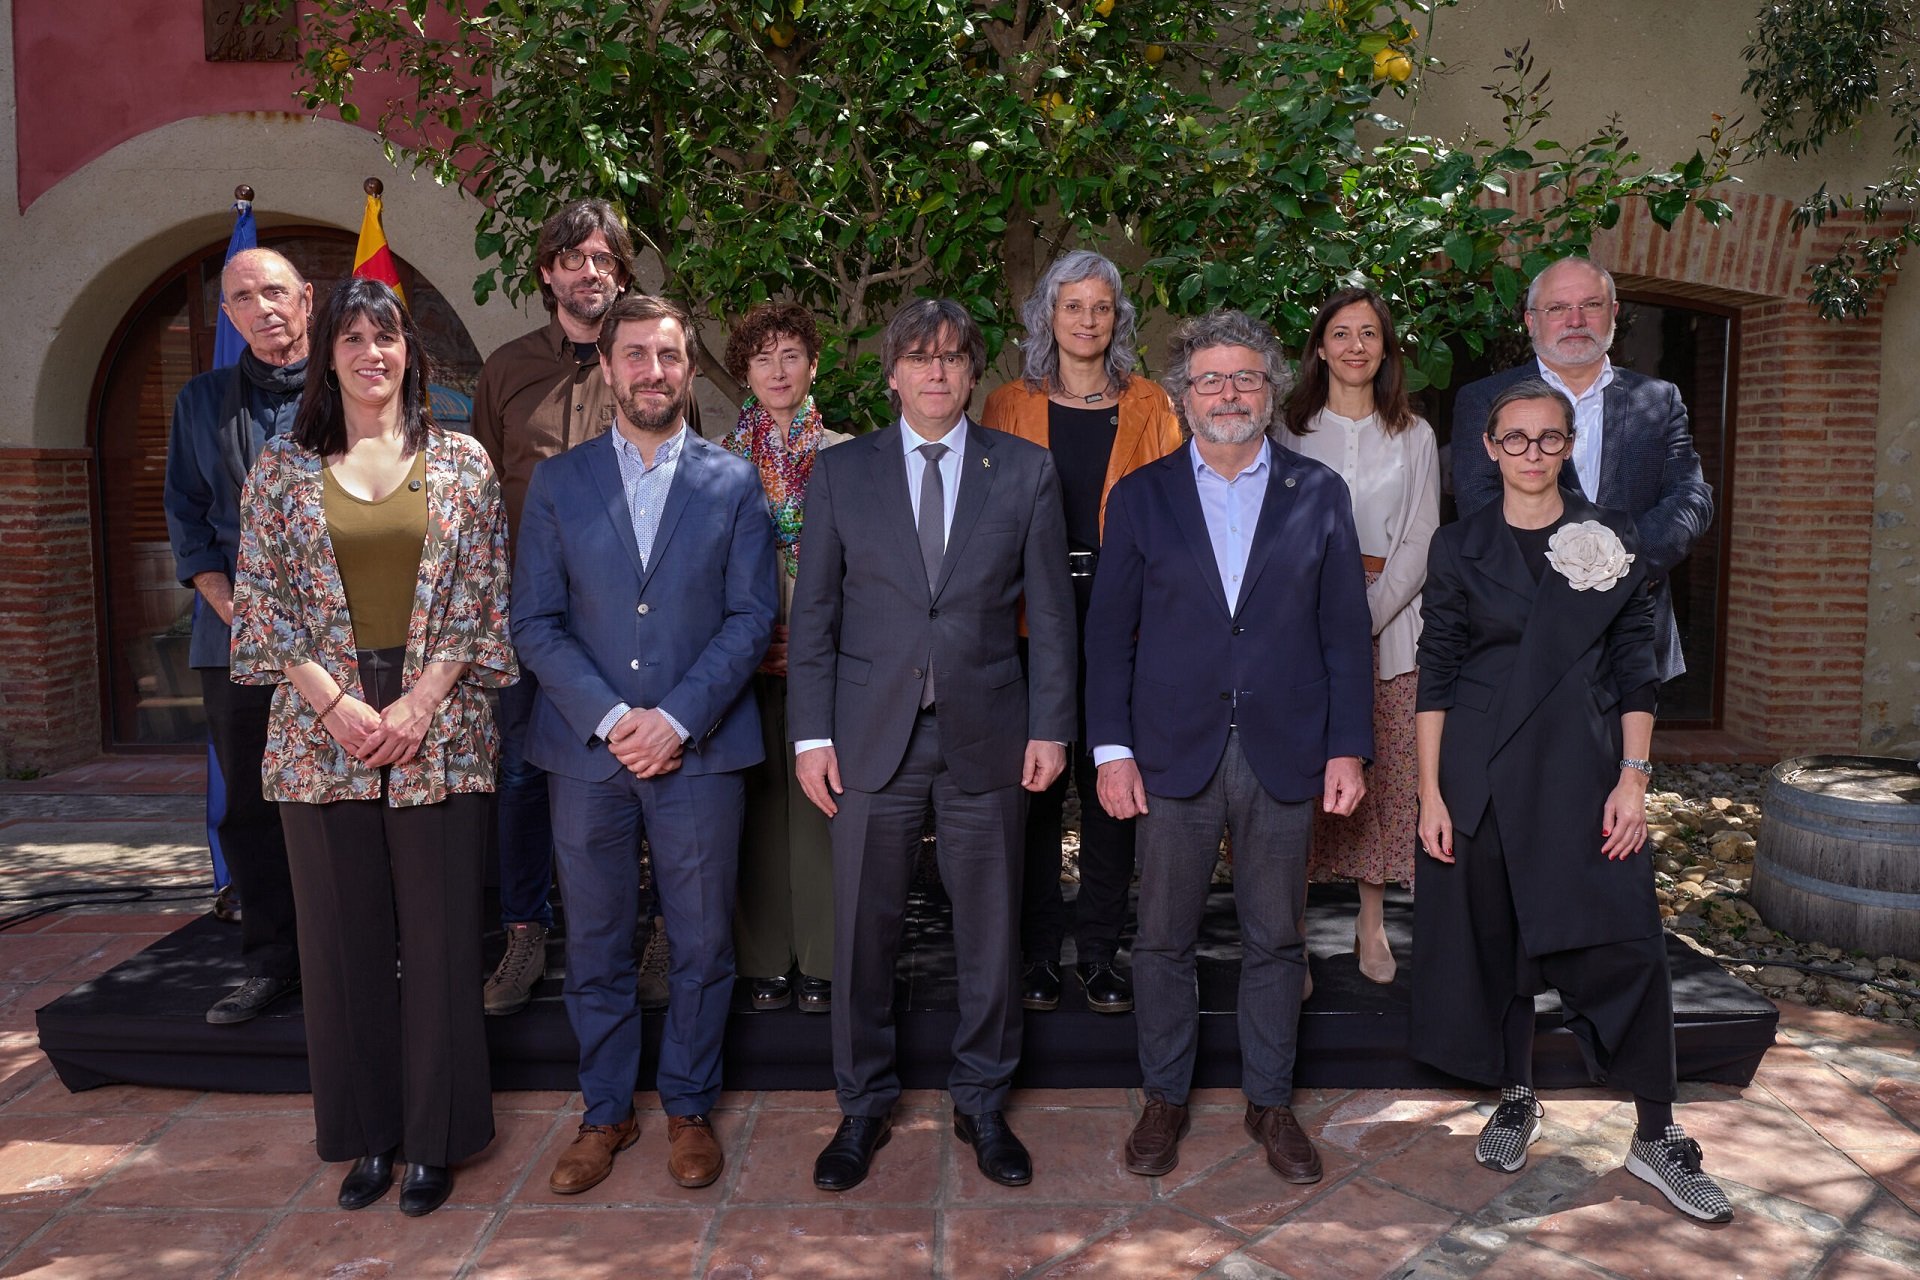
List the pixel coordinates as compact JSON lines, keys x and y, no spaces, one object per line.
{"x":906,"y":693}
{"x":1632,"y":448}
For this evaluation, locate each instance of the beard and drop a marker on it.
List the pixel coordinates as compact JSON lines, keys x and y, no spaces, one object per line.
{"x":1588,"y":346}
{"x":642,"y":418}
{"x":588,"y":302}
{"x":1231,"y":425}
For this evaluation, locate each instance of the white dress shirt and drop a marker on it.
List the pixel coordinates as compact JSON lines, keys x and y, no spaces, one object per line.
{"x":646,"y":482}
{"x":1589,"y":419}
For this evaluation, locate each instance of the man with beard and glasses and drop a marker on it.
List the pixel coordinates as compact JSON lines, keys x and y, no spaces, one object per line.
{"x":1229,"y":688}
{"x":221,"y":421}
{"x":1632,"y":448}
{"x":644,"y":595}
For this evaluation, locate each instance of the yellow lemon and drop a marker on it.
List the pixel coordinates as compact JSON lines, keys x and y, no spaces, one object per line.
{"x":338,"y":59}
{"x":1392,"y":64}
{"x":1103,"y":7}
{"x":782,"y":33}
{"x":1054,"y":101}
{"x":1153,"y":53}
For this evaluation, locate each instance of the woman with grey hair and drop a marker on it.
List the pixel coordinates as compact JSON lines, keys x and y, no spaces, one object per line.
{"x":1080,"y":398}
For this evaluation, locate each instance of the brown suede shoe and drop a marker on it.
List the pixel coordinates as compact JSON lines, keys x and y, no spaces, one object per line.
{"x":589,"y":1160}
{"x":1153,"y":1148}
{"x":693,"y":1153}
{"x":1289,"y":1152}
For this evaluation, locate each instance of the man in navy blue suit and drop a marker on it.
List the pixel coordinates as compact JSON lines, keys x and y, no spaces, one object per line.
{"x":1229,"y":687}
{"x":1632,"y":448}
{"x":644,"y":595}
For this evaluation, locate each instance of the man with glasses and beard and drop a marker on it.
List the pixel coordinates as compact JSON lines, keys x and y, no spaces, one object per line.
{"x":1229,"y":687}
{"x":644,"y":596}
{"x":1632,"y":448}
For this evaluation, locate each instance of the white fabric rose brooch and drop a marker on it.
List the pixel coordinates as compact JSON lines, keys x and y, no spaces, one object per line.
{"x":1588,"y":555}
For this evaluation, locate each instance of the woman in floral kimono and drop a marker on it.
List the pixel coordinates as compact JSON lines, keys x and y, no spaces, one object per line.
{"x":1533,"y":726}
{"x":372,"y":591}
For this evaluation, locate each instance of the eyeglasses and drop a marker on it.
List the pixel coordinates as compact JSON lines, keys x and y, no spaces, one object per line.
{"x":1591,"y":309}
{"x":1076,"y":309}
{"x":921,"y":361}
{"x":605,"y":263}
{"x":1212,"y":384}
{"x":1552,"y":443}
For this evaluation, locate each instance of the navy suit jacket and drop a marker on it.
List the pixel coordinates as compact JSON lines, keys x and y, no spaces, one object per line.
{"x":1169,"y":667}
{"x":684,"y":634}
{"x":1648,"y":469}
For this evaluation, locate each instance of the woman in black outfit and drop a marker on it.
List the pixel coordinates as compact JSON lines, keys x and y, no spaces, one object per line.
{"x":1534,"y":721}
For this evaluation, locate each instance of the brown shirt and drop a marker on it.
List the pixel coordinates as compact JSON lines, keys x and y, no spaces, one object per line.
{"x":536,"y":399}
{"x":378,"y":547}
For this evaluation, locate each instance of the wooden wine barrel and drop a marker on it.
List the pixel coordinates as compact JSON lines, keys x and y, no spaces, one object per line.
{"x":1838,"y":860}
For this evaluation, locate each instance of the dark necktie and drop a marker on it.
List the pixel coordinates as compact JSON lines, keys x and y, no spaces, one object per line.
{"x":933,"y":533}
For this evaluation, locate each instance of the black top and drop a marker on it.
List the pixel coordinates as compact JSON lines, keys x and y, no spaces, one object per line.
{"x":1082,"y":442}
{"x":586,"y":352}
{"x":1533,"y":550}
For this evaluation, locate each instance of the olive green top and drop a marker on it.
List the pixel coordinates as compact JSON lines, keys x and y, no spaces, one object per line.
{"x":377,"y":547}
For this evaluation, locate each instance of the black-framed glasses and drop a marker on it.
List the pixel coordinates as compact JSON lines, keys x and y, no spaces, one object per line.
{"x":605,"y":263}
{"x":1552,"y":443}
{"x":1591,"y":309}
{"x":1212,"y":384}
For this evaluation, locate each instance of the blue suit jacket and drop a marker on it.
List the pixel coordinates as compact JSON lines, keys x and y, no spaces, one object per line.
{"x":684,"y":634}
{"x":1168,"y":664}
{"x":1648,"y":469}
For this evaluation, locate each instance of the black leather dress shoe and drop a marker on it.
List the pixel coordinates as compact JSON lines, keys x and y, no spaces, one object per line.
{"x":1040,"y":986}
{"x":843,"y":1165}
{"x":1107,"y":990}
{"x":246,"y":1002}
{"x":424,"y":1188}
{"x":772,"y":993}
{"x":816,"y":995}
{"x":367,"y":1181}
{"x":1000,"y":1155}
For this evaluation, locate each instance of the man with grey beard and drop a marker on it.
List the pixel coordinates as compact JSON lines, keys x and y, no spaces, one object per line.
{"x":1229,"y":687}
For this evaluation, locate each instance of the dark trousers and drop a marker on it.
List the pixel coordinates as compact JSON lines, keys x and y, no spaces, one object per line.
{"x":876,"y":842}
{"x":692,"y":825}
{"x":526,"y":823}
{"x":1179,"y":845}
{"x":250,"y":834}
{"x":785,"y":915}
{"x":1106,"y":870}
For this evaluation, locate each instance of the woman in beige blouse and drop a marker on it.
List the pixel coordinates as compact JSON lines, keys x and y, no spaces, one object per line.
{"x":1349,"y":410}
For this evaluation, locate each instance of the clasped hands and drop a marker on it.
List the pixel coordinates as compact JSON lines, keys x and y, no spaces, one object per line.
{"x":646,"y":743}
{"x":378,"y":738}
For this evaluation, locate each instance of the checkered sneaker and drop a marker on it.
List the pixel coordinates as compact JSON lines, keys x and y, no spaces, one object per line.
{"x":1513,"y":1127}
{"x":1672,"y":1165}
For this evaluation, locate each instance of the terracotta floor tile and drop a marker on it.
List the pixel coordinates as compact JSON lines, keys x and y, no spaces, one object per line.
{"x":49,"y":1097}
{"x":52,"y":1158}
{"x":1211,"y":1099}
{"x":156,"y":923}
{"x":1216,"y":1141}
{"x":17,"y":1007}
{"x":1903,"y":1096}
{"x":1897,"y":1171}
{"x":1155,"y":1244}
{"x":484,"y":1180}
{"x":587,"y":1244}
{"x":1247,"y":1196}
{"x":1359,"y":1231}
{"x":824,"y":1243}
{"x":1076,"y":1158}
{"x":1440,"y":1166}
{"x":1891,"y":1215}
{"x":1625,"y":1226}
{"x":1375,"y":1122}
{"x":639,"y":1174}
{"x":1522,"y":1261}
{"x":372,"y":1244}
{"x":17,"y":1224}
{"x":103,"y":952}
{"x":778,"y":1165}
{"x":242,"y":1104}
{"x":982,"y":1244}
{"x":137,"y":1246}
{"x":535,"y":1100}
{"x":1074,"y":1099}
{"x":1845,"y":1116}
{"x":239,"y":1162}
{"x":1851,"y":1264}
{"x":1766,"y":1146}
{"x":799,"y":1100}
{"x":1801,"y":1021}
{"x":1580,"y":1112}
{"x":38,"y":956}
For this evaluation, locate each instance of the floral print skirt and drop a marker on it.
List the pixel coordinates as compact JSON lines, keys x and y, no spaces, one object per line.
{"x":1377,"y":842}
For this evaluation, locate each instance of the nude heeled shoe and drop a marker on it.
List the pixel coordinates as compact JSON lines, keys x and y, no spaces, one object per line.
{"x":1380,"y":971}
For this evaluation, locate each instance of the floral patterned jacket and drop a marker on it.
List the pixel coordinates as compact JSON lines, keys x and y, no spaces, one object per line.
{"x":289,"y":607}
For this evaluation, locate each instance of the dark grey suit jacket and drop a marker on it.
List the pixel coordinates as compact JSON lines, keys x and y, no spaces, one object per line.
{"x":864,"y":619}
{"x":1648,"y":469}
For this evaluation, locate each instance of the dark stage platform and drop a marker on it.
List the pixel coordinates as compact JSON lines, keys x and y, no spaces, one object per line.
{"x":143,"y":1022}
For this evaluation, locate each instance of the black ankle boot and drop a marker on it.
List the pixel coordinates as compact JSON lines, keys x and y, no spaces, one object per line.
{"x":424,"y":1188}
{"x":367,"y":1181}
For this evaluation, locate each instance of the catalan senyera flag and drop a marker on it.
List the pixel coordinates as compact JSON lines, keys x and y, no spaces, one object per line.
{"x":372,"y":260}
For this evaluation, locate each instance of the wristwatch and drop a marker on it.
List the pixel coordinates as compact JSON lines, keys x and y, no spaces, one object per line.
{"x":1644,"y":766}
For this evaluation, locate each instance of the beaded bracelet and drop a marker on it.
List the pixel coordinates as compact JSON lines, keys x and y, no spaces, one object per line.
{"x":328,"y":709}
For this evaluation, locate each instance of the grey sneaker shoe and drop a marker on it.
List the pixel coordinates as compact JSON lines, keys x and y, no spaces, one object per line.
{"x":246,"y":1002}
{"x":511,"y":987}
{"x":1513,"y":1127}
{"x":1672,"y":1166}
{"x":653,"y":967}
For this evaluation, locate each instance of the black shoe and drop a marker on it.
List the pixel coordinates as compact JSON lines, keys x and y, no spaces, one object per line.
{"x":772,"y":993}
{"x":816,"y":995}
{"x":1000,"y":1155}
{"x":424,"y":1188}
{"x":1107,"y":991}
{"x":1040,"y":985}
{"x":246,"y":1001}
{"x":843,"y":1165}
{"x":367,"y":1181}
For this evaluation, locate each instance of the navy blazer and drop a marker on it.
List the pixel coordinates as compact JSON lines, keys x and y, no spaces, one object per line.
{"x":1648,"y":469}
{"x":684,"y":634}
{"x":1168,"y":663}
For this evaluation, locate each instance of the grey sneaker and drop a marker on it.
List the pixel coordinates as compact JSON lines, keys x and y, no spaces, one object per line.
{"x":653,"y":967}
{"x":1513,"y":1127}
{"x":246,"y":1002}
{"x":1672,"y":1166}
{"x":511,"y":987}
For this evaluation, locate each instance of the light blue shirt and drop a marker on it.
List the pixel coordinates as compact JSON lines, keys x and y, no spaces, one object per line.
{"x":1589,"y":425}
{"x":646,"y":484}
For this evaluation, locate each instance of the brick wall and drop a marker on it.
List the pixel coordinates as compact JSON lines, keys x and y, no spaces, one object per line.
{"x":49,"y":672}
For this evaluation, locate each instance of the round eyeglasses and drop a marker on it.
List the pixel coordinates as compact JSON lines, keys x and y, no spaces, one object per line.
{"x":1552,"y":443}
{"x":573,"y":260}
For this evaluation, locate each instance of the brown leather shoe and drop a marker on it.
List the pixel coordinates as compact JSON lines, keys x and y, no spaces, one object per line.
{"x":589,"y":1160}
{"x":1153,"y":1148}
{"x":693,"y":1153}
{"x":1289,"y":1152}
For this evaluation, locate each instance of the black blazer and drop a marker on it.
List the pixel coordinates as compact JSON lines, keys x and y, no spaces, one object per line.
{"x":1530,"y":676}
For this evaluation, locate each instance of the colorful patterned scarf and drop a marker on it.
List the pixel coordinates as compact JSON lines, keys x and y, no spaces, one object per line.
{"x":784,"y":463}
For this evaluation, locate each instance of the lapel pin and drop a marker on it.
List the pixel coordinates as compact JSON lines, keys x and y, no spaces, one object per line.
{"x":413,"y":486}
{"x":1289,"y":482}
{"x":986,"y":462}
